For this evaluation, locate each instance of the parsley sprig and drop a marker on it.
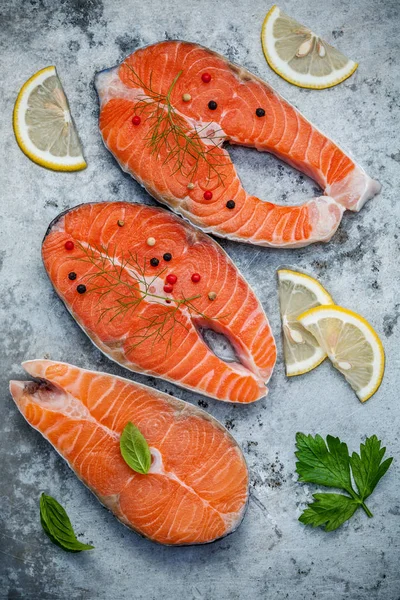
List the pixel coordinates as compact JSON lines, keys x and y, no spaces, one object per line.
{"x":329,"y":464}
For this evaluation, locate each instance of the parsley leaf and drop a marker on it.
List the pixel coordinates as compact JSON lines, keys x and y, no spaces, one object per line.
{"x":331,"y":510}
{"x":323,"y":465}
{"x":328,"y":463}
{"x":367,"y":467}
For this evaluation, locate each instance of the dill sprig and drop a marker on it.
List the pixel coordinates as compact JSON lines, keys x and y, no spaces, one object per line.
{"x":125,"y":278}
{"x":186,"y":149}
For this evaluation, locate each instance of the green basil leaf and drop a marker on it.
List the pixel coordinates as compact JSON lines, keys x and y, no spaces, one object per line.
{"x":134,"y":449}
{"x":57,"y":526}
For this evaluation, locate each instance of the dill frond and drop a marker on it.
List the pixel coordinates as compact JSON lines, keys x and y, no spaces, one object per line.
{"x":169,"y":134}
{"x":126,"y":279}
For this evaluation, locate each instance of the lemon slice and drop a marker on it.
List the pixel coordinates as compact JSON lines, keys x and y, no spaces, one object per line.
{"x":351,"y":344}
{"x":300,"y":56}
{"x":43,"y":124}
{"x":297,"y":294}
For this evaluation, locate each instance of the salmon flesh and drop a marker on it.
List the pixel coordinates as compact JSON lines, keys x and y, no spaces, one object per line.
{"x":197,"y":488}
{"x":166,"y":112}
{"x":112,"y":264}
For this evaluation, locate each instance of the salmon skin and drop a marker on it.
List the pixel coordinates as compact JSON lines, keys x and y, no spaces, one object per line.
{"x":197,"y":488}
{"x":111,"y":264}
{"x":165,"y":113}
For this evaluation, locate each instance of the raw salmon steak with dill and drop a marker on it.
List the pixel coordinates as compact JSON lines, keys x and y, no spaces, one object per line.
{"x":165,"y":114}
{"x":143,"y":285}
{"x":196,"y":490}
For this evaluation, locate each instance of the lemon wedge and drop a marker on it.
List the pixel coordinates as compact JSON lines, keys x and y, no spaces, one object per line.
{"x":300,"y":56}
{"x":351,"y":344}
{"x":298,"y":293}
{"x":43,"y":124}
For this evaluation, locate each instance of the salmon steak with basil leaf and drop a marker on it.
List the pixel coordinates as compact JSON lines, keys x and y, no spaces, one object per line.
{"x":195,"y":487}
{"x":167,"y":110}
{"x":146,"y":286}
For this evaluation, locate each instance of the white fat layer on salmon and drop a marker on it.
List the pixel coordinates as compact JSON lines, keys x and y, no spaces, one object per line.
{"x":354,"y":190}
{"x":58,"y":224}
{"x":50,"y":395}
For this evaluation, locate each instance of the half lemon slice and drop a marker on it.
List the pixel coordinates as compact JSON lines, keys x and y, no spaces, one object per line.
{"x":43,"y":124}
{"x":352,"y":345}
{"x":297,"y":294}
{"x":299,"y":55}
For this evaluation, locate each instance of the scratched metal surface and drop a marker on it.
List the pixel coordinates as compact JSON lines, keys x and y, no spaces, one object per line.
{"x":271,"y":555}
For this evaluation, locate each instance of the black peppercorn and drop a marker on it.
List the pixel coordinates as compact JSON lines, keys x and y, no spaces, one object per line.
{"x":230,"y":204}
{"x":212,"y":105}
{"x":260,"y":112}
{"x":72,"y":276}
{"x":81,"y":289}
{"x":154,"y":262}
{"x":167,"y":256}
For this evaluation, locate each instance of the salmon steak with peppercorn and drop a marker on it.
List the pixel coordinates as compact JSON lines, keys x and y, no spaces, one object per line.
{"x":196,"y":489}
{"x":166,"y":112}
{"x":144,"y":285}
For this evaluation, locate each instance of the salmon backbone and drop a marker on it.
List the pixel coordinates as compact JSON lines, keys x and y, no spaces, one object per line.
{"x":167,"y":110}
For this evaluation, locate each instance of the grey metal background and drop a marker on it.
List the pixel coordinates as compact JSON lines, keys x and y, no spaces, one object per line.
{"x":271,"y":555}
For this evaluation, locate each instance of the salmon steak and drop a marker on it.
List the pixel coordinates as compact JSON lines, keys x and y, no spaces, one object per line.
{"x":145,"y":286}
{"x":167,"y":111}
{"x":196,"y":490}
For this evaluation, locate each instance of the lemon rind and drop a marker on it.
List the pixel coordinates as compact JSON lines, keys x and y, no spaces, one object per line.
{"x":303,"y":371}
{"x":293,"y":80}
{"x":358,"y":319}
{"x":74,"y":165}
{"x":318,"y":287}
{"x":323,"y":297}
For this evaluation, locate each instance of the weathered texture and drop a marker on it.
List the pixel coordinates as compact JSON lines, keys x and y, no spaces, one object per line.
{"x":271,"y":556}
